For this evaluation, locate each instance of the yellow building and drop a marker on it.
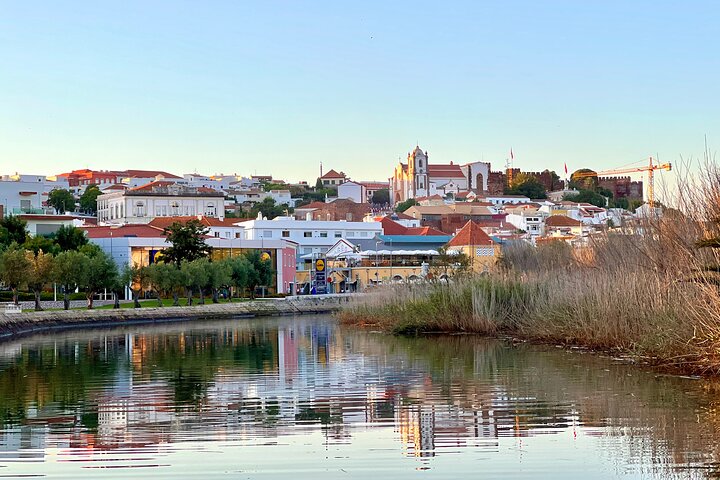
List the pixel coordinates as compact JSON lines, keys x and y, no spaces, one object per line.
{"x":482,"y":250}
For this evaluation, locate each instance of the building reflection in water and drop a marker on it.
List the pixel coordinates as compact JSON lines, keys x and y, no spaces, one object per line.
{"x":255,"y":381}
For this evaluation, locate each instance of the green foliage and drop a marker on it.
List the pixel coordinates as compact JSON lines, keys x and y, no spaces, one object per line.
{"x":61,"y":200}
{"x":67,"y":272}
{"x":239,"y":271}
{"x":219,"y":276}
{"x":269,"y":209}
{"x":13,"y":229}
{"x":187,"y":242}
{"x":99,"y":272}
{"x":88,"y":200}
{"x":41,"y":243}
{"x":402,"y":206}
{"x":68,"y":237}
{"x":584,"y":182}
{"x":14,"y":268}
{"x":40,"y":273}
{"x":318,"y":184}
{"x":267,"y":186}
{"x":587,"y":196}
{"x":527,"y":185}
{"x":195,"y":276}
{"x":260,"y":272}
{"x":381,"y":197}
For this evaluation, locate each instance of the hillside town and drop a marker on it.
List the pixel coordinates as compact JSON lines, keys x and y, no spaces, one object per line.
{"x":426,"y":221}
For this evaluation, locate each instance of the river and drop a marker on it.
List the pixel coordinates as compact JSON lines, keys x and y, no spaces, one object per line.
{"x":307,"y":398}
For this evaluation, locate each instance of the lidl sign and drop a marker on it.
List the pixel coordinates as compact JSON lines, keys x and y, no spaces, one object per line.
{"x":319,"y":265}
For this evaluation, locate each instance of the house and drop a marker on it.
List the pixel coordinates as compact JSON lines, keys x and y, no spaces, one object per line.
{"x":313,"y":237}
{"x":561,"y":224}
{"x":482,"y":250}
{"x":28,"y":194}
{"x":336,"y":210}
{"x":354,"y":191}
{"x":527,"y":218}
{"x":450,"y":218}
{"x":142,"y":244}
{"x":333,"y":179}
{"x":159,"y":199}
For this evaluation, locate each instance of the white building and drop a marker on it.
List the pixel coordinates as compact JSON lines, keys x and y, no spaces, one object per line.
{"x":159,"y":199}
{"x":27,"y":193}
{"x":530,"y":220}
{"x":282,"y":197}
{"x":500,"y":200}
{"x":353,"y":191}
{"x":312,"y":236}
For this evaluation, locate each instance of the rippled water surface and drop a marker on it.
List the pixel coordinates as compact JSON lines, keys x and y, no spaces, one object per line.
{"x":306,"y":398}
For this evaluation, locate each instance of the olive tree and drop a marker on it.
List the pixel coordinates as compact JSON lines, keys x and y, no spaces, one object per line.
{"x":14,"y":269}
{"x":67,"y":272}
{"x":40,"y":274}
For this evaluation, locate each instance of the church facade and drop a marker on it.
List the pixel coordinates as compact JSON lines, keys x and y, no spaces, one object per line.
{"x":418,"y":178}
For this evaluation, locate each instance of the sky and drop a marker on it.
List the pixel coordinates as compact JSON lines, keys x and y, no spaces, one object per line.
{"x":276,"y":87}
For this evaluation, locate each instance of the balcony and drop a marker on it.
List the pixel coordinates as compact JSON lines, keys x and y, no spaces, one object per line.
{"x":28,"y":210}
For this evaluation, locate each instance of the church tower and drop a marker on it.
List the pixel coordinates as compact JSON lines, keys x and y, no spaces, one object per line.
{"x":418,"y":172}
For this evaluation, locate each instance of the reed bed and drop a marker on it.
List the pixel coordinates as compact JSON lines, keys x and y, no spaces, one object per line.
{"x":650,"y":291}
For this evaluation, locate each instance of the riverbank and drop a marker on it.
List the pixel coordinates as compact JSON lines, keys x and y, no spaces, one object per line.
{"x":17,"y":324}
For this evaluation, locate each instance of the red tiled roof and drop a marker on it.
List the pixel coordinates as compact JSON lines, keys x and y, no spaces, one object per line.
{"x":142,"y":231}
{"x":471,"y":234}
{"x":164,"y":222}
{"x":312,"y":205}
{"x":446,"y":171}
{"x":404,"y":216}
{"x":151,"y":185}
{"x":333,"y":174}
{"x":561,"y":221}
{"x":391,"y":227}
{"x":425,"y":231}
{"x":147,"y":174}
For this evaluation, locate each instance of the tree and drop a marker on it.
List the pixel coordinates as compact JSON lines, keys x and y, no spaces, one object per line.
{"x":260,"y":272}
{"x":67,"y":272}
{"x":99,"y":272}
{"x":587,"y":196}
{"x":40,"y":243}
{"x":160,"y":281}
{"x":402,"y":206}
{"x":195,"y":277}
{"x":526,"y":185}
{"x":14,"y":269}
{"x":219,"y":276}
{"x":586,"y":182}
{"x":88,"y":200}
{"x":61,"y":200}
{"x":381,"y":197}
{"x":40,"y":273}
{"x":138,"y":278}
{"x":187,"y":242}
{"x":13,"y":229}
{"x":239,"y":269}
{"x":68,"y":237}
{"x":319,"y":184}
{"x":445,"y":263}
{"x":268,"y":208}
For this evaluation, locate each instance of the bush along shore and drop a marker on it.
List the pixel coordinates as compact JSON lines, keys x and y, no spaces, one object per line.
{"x":649,"y":290}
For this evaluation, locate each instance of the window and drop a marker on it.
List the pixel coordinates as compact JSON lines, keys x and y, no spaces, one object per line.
{"x":285,"y":233}
{"x":323,"y":234}
{"x":307,"y":234}
{"x":217,"y":234}
{"x":338,"y":234}
{"x":350,"y":234}
{"x":484,"y":252}
{"x":267,"y":234}
{"x":363,"y":234}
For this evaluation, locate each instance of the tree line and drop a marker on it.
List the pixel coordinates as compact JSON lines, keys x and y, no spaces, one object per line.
{"x":69,"y":261}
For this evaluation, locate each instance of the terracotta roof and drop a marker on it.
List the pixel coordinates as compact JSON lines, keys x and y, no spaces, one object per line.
{"x":312,"y":205}
{"x":46,"y":217}
{"x":402,"y":216}
{"x":445,"y":171}
{"x":142,"y":231}
{"x":333,"y":174}
{"x":471,"y":234}
{"x":151,"y":185}
{"x":147,"y":174}
{"x":561,"y":221}
{"x":391,"y":227}
{"x":163,"y":222}
{"x":375,"y":185}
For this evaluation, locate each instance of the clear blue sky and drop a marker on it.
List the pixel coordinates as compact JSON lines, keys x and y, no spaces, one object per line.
{"x":279,"y":86}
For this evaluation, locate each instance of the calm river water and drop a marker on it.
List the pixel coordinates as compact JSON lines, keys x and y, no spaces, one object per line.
{"x":307,"y":398}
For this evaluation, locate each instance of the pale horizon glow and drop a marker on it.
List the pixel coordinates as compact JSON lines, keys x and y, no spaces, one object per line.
{"x":277,"y":87}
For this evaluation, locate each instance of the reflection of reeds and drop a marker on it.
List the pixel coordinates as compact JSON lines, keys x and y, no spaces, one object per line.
{"x":645,"y":291}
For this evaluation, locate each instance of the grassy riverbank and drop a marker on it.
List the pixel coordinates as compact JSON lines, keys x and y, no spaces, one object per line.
{"x":650,"y":291}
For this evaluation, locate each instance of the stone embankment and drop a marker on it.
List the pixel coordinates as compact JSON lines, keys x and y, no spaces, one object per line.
{"x":14,"y":324}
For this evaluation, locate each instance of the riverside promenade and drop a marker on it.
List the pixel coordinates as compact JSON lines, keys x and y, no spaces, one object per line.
{"x":16,"y":324}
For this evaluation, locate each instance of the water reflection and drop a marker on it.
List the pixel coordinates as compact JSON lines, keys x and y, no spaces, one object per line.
{"x":313,"y":395}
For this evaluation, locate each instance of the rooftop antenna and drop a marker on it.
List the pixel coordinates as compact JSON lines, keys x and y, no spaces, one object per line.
{"x":321,"y":169}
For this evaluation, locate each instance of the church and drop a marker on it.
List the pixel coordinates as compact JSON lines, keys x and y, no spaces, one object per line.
{"x":418,"y":178}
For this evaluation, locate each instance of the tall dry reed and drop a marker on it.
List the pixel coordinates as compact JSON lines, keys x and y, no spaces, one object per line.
{"x":650,"y":289}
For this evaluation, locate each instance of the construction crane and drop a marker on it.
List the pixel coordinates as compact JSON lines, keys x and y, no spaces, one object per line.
{"x":650,"y":169}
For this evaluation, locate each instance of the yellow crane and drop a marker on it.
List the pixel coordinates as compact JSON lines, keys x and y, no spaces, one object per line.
{"x":650,"y":169}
